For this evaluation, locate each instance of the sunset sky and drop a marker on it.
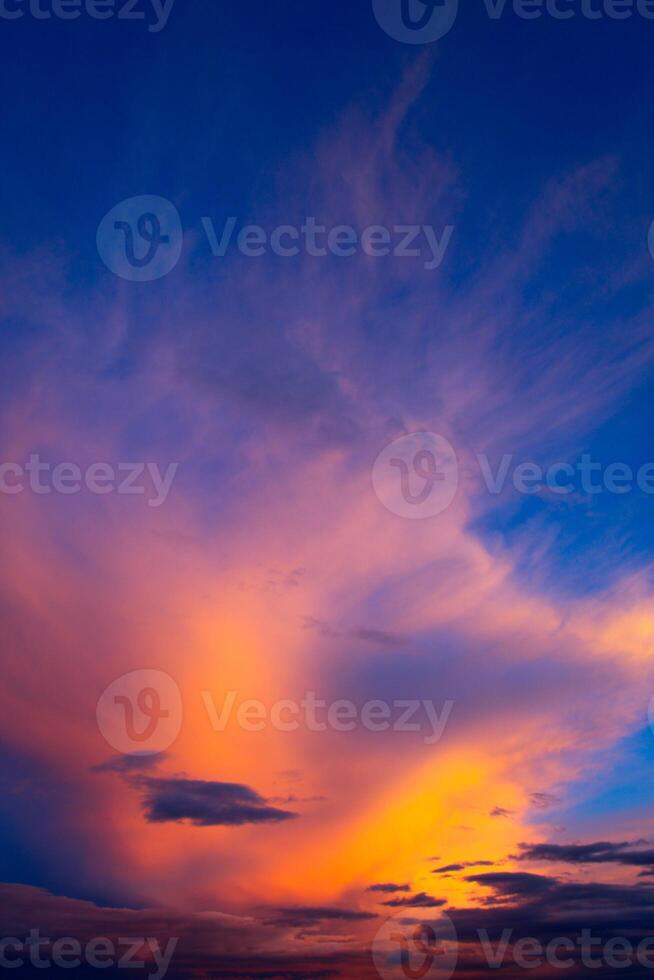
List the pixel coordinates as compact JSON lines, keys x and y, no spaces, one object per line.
{"x":265,"y":404}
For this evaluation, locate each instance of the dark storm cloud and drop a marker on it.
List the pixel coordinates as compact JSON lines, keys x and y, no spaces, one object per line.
{"x":546,"y":909}
{"x":203,"y":803}
{"x":537,"y":906}
{"x":419,"y":901}
{"x":599,"y":852}
{"x":462,"y":866}
{"x":215,"y":945}
{"x":514,"y":883}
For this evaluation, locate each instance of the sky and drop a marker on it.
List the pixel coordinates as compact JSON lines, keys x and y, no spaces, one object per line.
{"x":326,"y":482}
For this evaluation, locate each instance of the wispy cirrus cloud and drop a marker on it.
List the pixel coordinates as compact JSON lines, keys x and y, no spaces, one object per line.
{"x":275,"y":396}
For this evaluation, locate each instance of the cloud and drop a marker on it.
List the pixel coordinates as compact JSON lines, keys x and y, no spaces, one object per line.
{"x":388,"y":887}
{"x":421,"y":900}
{"x":292,"y":798}
{"x":599,"y":852}
{"x":461,"y":866}
{"x":209,"y":943}
{"x":204,"y":803}
{"x":376,"y":637}
{"x":543,"y":801}
{"x":514,"y":883}
{"x":302,"y":916}
{"x":124,"y":764}
{"x":546,"y":907}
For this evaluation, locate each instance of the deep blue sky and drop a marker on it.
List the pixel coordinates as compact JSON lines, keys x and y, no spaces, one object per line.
{"x":94,"y":110}
{"x":207,"y":111}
